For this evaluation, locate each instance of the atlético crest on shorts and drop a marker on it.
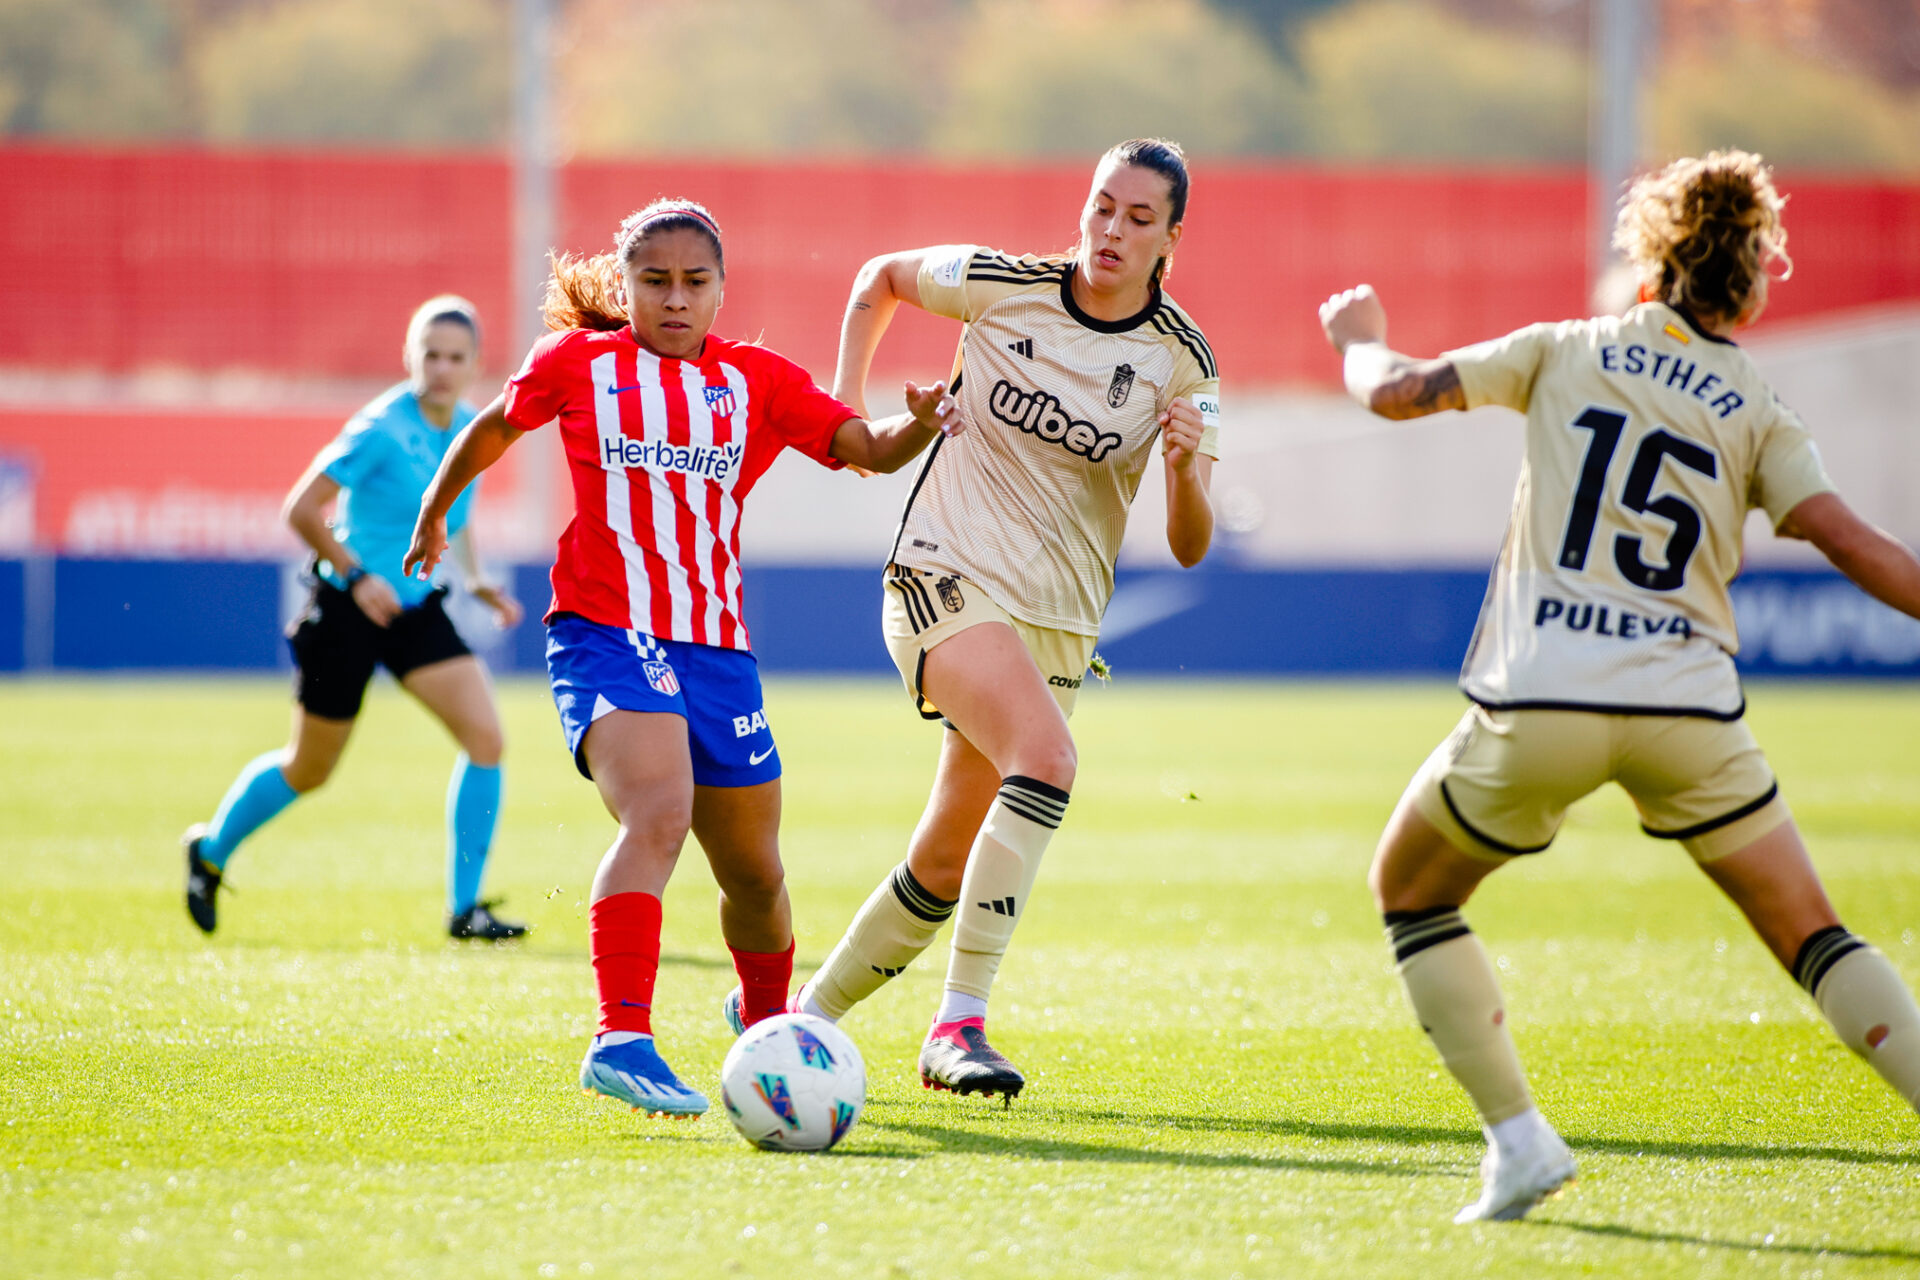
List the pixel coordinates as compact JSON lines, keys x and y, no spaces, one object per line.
{"x":1121,"y":386}
{"x":720,"y":401}
{"x":661,"y":677}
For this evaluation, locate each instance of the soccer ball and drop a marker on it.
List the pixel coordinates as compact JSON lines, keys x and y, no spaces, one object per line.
{"x":793,"y":1082}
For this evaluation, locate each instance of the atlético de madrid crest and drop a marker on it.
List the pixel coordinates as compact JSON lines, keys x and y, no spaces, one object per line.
{"x":719,"y":401}
{"x":660,"y":675}
{"x":1122,"y":384}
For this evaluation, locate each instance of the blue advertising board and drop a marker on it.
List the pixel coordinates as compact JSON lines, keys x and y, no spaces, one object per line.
{"x":219,"y":615}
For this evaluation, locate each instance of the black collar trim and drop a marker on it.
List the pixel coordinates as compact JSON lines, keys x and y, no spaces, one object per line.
{"x":1698,"y":328}
{"x":1126,"y":325}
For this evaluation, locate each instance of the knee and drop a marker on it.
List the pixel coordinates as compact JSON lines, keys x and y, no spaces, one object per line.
{"x":654,"y":831}
{"x":759,"y":884}
{"x":1053,"y":762}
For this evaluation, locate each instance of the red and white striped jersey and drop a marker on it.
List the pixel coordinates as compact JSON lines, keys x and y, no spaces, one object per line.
{"x":662,"y":453}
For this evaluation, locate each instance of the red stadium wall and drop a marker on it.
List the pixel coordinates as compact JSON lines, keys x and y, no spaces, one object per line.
{"x":305,"y":263}
{"x":173,"y":482}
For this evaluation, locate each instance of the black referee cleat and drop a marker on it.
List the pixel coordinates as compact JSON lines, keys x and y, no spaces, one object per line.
{"x":957,"y":1057}
{"x":203,"y":880}
{"x":479,"y":922}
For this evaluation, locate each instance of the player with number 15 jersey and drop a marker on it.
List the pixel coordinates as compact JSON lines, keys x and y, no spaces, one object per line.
{"x":1648,"y":439}
{"x":1605,"y":647}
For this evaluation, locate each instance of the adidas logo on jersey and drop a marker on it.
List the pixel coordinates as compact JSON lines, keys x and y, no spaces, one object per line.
{"x":1038,"y":413}
{"x":1024,"y":347}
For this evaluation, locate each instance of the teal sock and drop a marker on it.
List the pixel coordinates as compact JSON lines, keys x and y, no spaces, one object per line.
{"x":260,"y":792}
{"x":473,"y":807}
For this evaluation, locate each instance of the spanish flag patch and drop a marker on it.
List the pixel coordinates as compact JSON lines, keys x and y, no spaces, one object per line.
{"x":1674,"y":331}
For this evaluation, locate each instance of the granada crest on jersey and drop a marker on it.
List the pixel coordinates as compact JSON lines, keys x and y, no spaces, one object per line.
{"x":812,"y":1052}
{"x":779,"y":1099}
{"x":949,"y":589}
{"x":719,"y":401}
{"x":661,"y":677}
{"x":1122,"y":385}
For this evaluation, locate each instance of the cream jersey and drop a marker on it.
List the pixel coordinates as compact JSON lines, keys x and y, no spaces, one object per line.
{"x":1647,"y":443}
{"x":1061,"y":411}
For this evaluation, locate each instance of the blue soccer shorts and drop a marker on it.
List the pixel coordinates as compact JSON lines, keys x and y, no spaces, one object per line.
{"x":596,"y":669}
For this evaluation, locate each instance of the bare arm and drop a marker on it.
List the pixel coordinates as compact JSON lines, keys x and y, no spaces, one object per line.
{"x":477,"y":448}
{"x":1883,"y":566}
{"x":1189,"y":479}
{"x":305,"y":512}
{"x":882,"y":285}
{"x":891,"y":443}
{"x":1399,"y":387}
{"x":1390,"y":384}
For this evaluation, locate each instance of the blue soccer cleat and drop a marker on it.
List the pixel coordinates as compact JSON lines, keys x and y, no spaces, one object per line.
{"x":633,"y":1073}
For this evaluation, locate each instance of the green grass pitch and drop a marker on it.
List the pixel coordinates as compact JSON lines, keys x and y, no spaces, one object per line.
{"x":1223,"y":1078}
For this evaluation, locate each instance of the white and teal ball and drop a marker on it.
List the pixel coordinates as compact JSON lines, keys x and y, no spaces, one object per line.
{"x":793,"y":1082}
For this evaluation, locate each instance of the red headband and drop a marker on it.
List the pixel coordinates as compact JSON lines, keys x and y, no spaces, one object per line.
{"x":675,"y":211}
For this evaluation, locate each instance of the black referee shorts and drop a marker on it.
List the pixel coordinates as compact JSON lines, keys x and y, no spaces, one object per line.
{"x":336,"y":647}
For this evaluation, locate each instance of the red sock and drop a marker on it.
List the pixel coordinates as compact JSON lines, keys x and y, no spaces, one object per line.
{"x":764,"y":978}
{"x":624,"y":939}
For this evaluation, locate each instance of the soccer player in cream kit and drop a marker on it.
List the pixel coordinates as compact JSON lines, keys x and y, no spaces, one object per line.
{"x":1071,"y":370}
{"x":1604,"y":650}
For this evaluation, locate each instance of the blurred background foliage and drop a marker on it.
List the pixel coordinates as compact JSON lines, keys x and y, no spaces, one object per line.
{"x":1829,"y":84}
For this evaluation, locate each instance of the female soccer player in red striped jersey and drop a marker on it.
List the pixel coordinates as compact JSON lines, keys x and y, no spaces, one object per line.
{"x":666,"y":428}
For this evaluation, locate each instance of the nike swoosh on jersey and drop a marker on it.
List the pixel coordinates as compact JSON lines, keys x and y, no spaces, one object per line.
{"x":757,"y":757}
{"x":614,"y":391}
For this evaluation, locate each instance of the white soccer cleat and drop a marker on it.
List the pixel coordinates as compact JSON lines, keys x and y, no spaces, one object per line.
{"x":1516,"y":1180}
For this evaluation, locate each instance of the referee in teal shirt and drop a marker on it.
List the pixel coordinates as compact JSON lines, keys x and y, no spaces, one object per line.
{"x":363,"y":613}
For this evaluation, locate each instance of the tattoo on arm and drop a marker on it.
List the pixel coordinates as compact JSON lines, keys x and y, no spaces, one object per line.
{"x":1439,"y":388}
{"x":862,"y":306}
{"x":1424,"y":388}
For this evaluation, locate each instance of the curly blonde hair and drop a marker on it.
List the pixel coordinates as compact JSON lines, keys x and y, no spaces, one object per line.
{"x":1703,"y":230}
{"x":584,"y":291}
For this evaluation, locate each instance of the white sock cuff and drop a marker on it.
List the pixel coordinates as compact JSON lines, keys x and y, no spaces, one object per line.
{"x":957,"y":1005}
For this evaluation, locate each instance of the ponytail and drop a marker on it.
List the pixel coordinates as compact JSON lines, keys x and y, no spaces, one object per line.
{"x":584,"y":293}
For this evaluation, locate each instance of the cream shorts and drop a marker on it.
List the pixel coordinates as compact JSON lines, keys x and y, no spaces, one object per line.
{"x":923,"y":608}
{"x":1501,"y":783}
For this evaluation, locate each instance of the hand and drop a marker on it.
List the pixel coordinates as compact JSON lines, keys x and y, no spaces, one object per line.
{"x":1353,"y":316}
{"x":429,"y":544}
{"x":1180,"y":428}
{"x":506,"y":610}
{"x":934,"y":409}
{"x":376,"y":598}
